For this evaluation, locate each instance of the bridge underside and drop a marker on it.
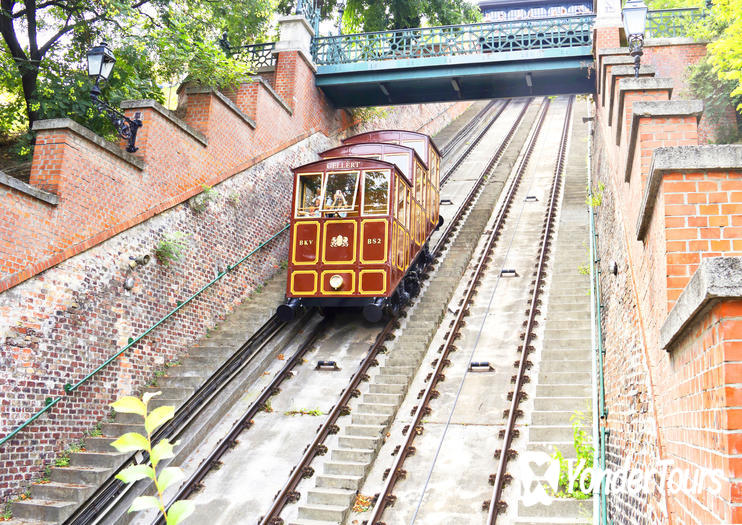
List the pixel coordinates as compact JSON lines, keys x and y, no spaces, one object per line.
{"x":467,"y":77}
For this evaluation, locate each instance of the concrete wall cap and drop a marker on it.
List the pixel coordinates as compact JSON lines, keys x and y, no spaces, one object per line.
{"x":645,"y":83}
{"x":716,"y":279}
{"x":222,"y":98}
{"x":292,"y":19}
{"x":29,"y":190}
{"x":169,"y":115}
{"x":613,"y":51}
{"x":674,"y":41}
{"x":667,"y":108}
{"x":79,"y":129}
{"x":684,"y":158}
{"x":620,"y":70}
{"x":616,"y":73}
{"x":273,"y":93}
{"x":657,"y":108}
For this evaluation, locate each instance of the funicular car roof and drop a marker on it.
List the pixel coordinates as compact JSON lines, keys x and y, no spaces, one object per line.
{"x":381,"y":145}
{"x":355,"y":139}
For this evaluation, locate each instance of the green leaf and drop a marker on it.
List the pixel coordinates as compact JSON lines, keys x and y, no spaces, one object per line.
{"x":130,"y":405}
{"x":144,"y":502}
{"x":168,"y":476}
{"x":162,"y":450}
{"x":135,"y":473}
{"x":149,"y":395}
{"x":179,"y":511}
{"x":131,"y":442}
{"x":157,"y":417}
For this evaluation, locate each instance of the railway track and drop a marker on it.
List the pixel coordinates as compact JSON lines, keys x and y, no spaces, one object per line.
{"x":112,"y":497}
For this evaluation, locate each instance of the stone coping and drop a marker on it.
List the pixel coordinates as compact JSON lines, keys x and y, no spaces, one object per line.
{"x":671,"y":41}
{"x":302,"y":53}
{"x":684,"y":158}
{"x":716,"y":279}
{"x":29,"y":190}
{"x":619,"y":72}
{"x":611,"y":61}
{"x":638,"y":84}
{"x":79,"y":129}
{"x":167,"y":114}
{"x":656,"y":108}
{"x":197,"y":90}
{"x":272,"y":92}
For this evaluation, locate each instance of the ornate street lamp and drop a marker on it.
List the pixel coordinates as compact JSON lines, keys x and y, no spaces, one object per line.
{"x":634,"y":22}
{"x":100,"y":65}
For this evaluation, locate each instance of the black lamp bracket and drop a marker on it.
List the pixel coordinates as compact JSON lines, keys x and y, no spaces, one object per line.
{"x":636,"y":43}
{"x":127,"y":128}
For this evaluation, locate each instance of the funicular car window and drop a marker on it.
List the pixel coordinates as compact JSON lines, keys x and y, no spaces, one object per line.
{"x":417,"y":145}
{"x":309,"y":199}
{"x":401,"y":203}
{"x":375,"y":192}
{"x":401,"y":160}
{"x":340,"y":191}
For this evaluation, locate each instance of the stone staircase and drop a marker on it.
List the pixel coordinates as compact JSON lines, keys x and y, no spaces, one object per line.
{"x":55,"y":500}
{"x":332,"y":497}
{"x":565,"y":370}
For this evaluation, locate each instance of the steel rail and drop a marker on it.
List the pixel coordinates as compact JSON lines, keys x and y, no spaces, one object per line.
{"x":100,"y":503}
{"x":495,"y":506}
{"x":245,"y":421}
{"x":415,"y":428}
{"x":465,"y":129}
{"x":450,"y":170}
{"x":288,"y":493}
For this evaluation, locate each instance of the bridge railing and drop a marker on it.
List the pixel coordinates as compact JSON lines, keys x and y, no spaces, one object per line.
{"x":256,"y":55}
{"x":491,"y":37}
{"x":668,"y":23}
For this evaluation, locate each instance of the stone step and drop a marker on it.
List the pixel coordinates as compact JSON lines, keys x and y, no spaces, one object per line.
{"x":566,"y":448}
{"x":96,"y":459}
{"x":578,"y":301}
{"x":191,"y":382}
{"x":397,"y":370}
{"x":364,"y":430}
{"x":99,"y":444}
{"x":160,"y":401}
{"x":119,"y":429}
{"x":369,"y":419}
{"x":561,"y":508}
{"x":565,"y":378}
{"x":339,"y":482}
{"x":311,"y":522}
{"x":43,"y":510}
{"x":565,"y":390}
{"x":339,"y":497}
{"x":332,"y":513}
{"x":170,"y":392}
{"x":385,"y":399}
{"x":356,"y":455}
{"x":57,"y":491}
{"x":343,"y":468}
{"x":562,"y":403}
{"x":376,"y":388}
{"x":563,"y":365}
{"x":573,"y":332}
{"x":377,"y":408}
{"x":551,"y":433}
{"x":359,"y":442}
{"x":386,"y":379}
{"x":562,"y":354}
{"x":80,"y":475}
{"x":553,"y":417}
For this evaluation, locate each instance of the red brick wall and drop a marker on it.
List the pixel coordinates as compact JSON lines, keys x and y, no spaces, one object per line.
{"x":679,"y":405}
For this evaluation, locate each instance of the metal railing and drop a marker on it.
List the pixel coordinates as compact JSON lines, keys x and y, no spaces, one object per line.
{"x":258,"y":56}
{"x":465,"y":39}
{"x":667,"y":23}
{"x":69,"y":388}
{"x":311,"y":11}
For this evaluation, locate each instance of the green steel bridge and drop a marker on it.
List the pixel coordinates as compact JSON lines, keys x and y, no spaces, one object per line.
{"x":536,"y":56}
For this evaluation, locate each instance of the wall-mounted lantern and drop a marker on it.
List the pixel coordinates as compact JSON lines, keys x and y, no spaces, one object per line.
{"x":100,"y":65}
{"x":634,"y":14}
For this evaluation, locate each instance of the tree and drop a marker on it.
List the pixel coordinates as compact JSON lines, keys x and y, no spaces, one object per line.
{"x":45,"y":42}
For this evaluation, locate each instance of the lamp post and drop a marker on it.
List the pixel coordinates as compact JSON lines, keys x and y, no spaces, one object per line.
{"x":634,"y":14}
{"x":100,"y":65}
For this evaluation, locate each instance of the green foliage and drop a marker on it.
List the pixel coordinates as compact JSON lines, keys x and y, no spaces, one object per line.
{"x":200,"y":202}
{"x":379,"y":15}
{"x":596,"y":199}
{"x":583,"y":461}
{"x":170,"y":248}
{"x":369,"y":113}
{"x":705,"y":84}
{"x":134,"y":442}
{"x":267,"y":407}
{"x":7,"y":512}
{"x":304,"y":412}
